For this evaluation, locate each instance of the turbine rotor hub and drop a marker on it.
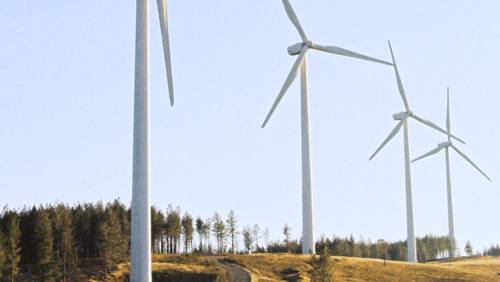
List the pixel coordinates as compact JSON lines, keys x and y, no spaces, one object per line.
{"x":444,"y":144}
{"x":401,"y":116}
{"x":296,"y":48}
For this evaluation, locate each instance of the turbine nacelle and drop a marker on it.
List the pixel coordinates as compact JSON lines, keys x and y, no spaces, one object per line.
{"x":295,"y":49}
{"x":402,"y":115}
{"x":444,"y":144}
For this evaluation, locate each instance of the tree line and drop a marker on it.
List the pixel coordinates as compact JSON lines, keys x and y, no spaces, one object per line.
{"x":492,"y":251}
{"x":429,"y":247}
{"x":63,"y":243}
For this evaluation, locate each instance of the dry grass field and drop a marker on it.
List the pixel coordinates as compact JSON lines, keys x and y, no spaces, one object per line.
{"x":279,"y":267}
{"x":286,"y":267}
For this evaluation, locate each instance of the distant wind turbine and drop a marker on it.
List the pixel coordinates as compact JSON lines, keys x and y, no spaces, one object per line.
{"x":301,"y":49}
{"x":403,"y":118}
{"x":141,"y":207}
{"x":446,"y":146}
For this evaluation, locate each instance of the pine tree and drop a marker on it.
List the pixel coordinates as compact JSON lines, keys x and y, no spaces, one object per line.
{"x":27,"y":240}
{"x":2,"y":251}
{"x":248,"y":239}
{"x":325,"y":268}
{"x":199,"y":230}
{"x":113,"y":247}
{"x":219,"y":230}
{"x":355,"y":251}
{"x":265,"y":237}
{"x":64,"y":244}
{"x":206,"y":235}
{"x":364,"y":248}
{"x":287,"y":232}
{"x":468,"y":249}
{"x":231,"y":228}
{"x":256,"y":232}
{"x":157,"y":230}
{"x":187,"y":231}
{"x":344,"y":247}
{"x":173,"y":226}
{"x":382,"y":250}
{"x":43,"y":245}
{"x":12,"y":244}
{"x":81,"y":219}
{"x":123,"y":215}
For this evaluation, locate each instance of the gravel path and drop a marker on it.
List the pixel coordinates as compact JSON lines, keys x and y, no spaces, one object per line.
{"x":235,"y":273}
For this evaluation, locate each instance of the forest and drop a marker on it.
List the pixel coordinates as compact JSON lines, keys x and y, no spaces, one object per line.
{"x":60,"y":242}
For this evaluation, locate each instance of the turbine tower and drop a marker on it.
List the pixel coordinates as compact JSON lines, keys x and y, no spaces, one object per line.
{"x":446,"y":146}
{"x":301,"y":49}
{"x":402,"y":119}
{"x":141,"y":207}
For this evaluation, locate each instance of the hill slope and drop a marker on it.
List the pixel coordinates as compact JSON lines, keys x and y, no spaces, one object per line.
{"x":286,"y":267}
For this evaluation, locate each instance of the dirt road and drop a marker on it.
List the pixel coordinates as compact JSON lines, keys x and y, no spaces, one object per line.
{"x":235,"y":273}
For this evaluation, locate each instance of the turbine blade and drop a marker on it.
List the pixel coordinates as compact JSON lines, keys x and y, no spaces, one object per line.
{"x":291,"y":77}
{"x":391,"y":135}
{"x":344,"y":52}
{"x":398,"y":78}
{"x":448,"y":122}
{"x":470,"y":161}
{"x":162,"y":11}
{"x":430,"y":153}
{"x":295,"y":20}
{"x":433,"y":125}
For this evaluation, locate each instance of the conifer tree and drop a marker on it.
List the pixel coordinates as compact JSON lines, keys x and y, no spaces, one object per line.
{"x":43,"y":245}
{"x":382,"y":250}
{"x":364,"y":248}
{"x":206,"y":235}
{"x":123,"y":215}
{"x":157,"y":229}
{"x":325,"y":268}
{"x":113,"y":247}
{"x":468,"y":249}
{"x":355,"y":250}
{"x":287,"y":232}
{"x":256,"y":234}
{"x":64,"y":244}
{"x":12,"y":244}
{"x":81,"y":219}
{"x":173,"y":229}
{"x":231,"y":228}
{"x":199,"y":230}
{"x":248,"y":239}
{"x":187,"y":231}
{"x":265,"y":237}
{"x":219,"y":230}
{"x":27,"y":239}
{"x":2,"y":251}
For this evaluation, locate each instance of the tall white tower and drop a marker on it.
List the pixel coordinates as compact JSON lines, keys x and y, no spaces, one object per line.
{"x":300,"y":49}
{"x":141,"y":206}
{"x":141,"y":220}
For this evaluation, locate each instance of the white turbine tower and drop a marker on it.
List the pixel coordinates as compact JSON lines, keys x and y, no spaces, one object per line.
{"x":402,"y":119}
{"x":301,"y":49}
{"x":446,"y":146}
{"x":141,"y":219}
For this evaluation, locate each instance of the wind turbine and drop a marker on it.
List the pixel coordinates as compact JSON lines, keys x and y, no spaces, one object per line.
{"x":301,"y":50}
{"x":402,"y":119}
{"x":141,"y":207}
{"x":446,"y":146}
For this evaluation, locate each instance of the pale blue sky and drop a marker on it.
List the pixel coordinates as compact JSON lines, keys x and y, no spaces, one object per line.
{"x":66,"y":89}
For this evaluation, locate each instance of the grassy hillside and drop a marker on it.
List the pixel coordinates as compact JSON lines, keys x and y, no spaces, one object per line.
{"x":285,"y":267}
{"x":277,"y":267}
